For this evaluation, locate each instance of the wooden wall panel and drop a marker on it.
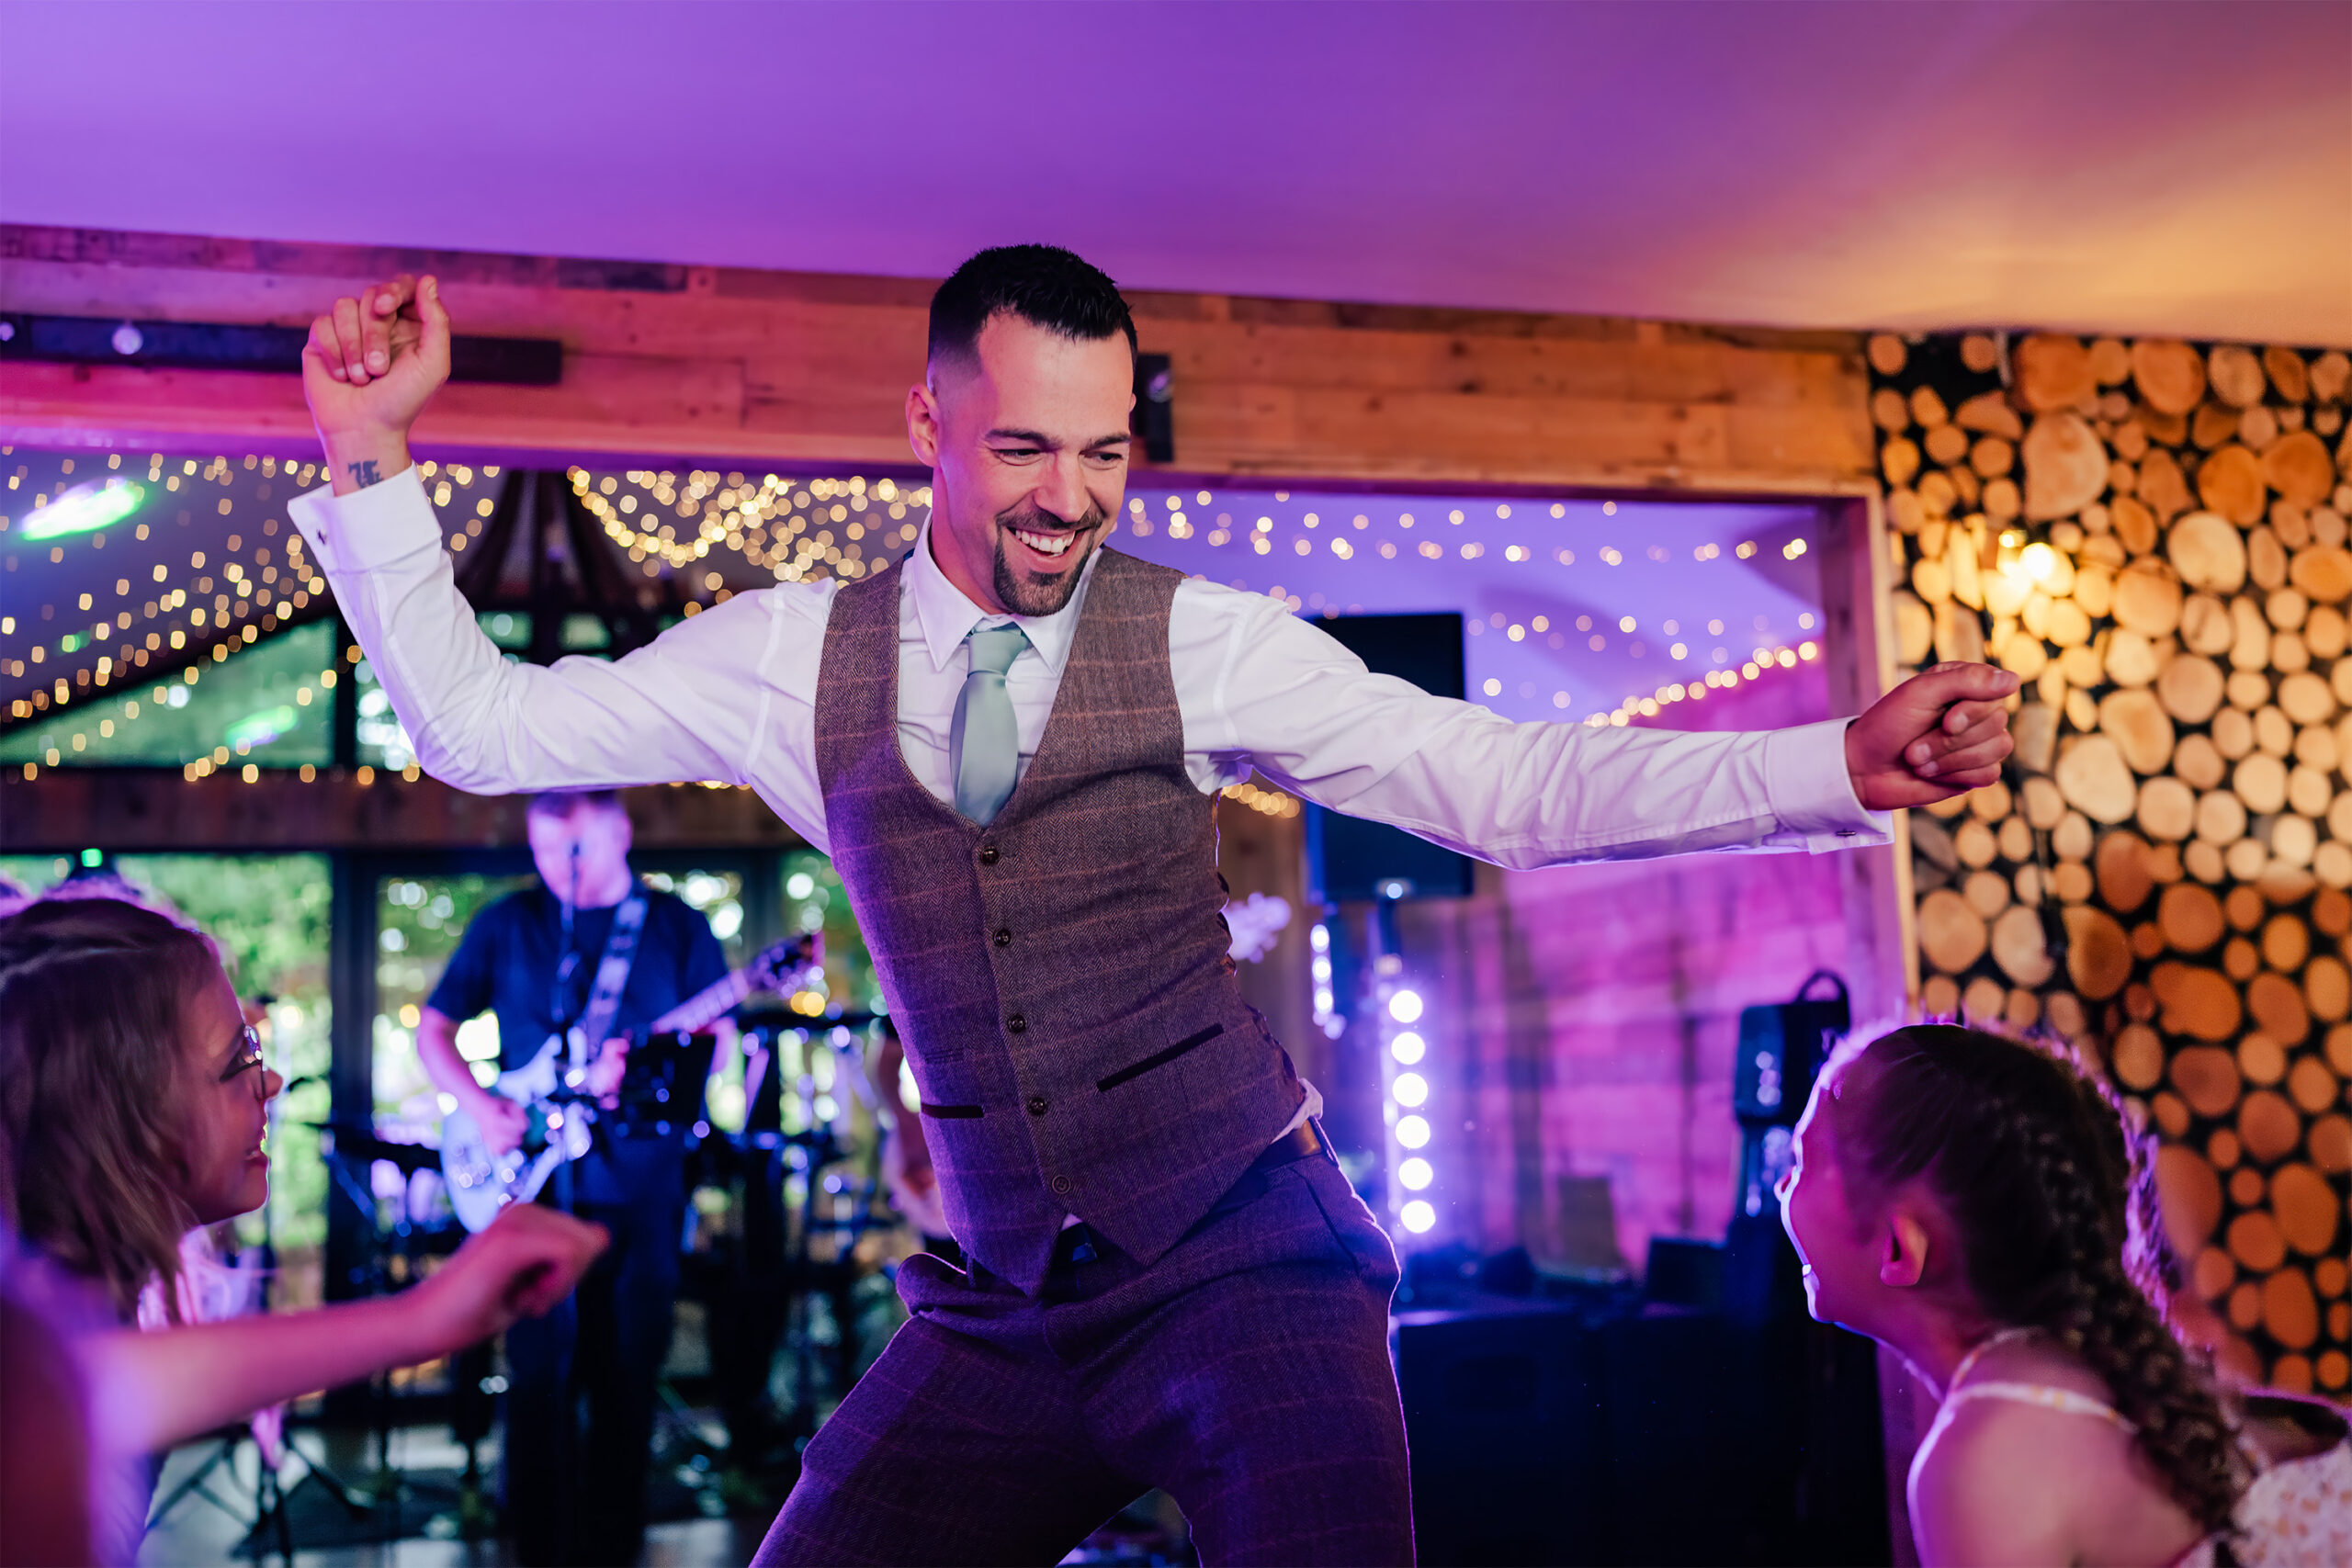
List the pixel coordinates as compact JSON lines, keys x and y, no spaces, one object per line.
{"x":730,"y":364}
{"x":2188,"y":802}
{"x":1583,"y":1020}
{"x":1857,"y":640}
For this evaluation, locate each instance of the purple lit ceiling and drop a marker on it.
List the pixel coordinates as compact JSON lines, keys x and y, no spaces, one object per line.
{"x":2168,"y":166}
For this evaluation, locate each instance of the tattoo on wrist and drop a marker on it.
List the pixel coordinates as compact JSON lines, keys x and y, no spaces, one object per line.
{"x":365,"y":473}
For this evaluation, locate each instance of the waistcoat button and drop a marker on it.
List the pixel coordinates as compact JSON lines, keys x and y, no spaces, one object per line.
{"x":988,"y":855}
{"x":1062,"y":1184}
{"x":1003,"y":937}
{"x":1037,"y":1107}
{"x":1017,"y":1024}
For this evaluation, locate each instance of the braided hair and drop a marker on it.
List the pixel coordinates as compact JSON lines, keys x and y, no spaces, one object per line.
{"x":93,"y":993}
{"x":2032,"y":1163}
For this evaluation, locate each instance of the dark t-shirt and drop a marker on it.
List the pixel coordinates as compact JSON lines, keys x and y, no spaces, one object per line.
{"x":506,"y":963}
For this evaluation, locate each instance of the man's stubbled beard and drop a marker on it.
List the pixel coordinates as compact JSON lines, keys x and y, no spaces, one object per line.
{"x":1036,"y":594}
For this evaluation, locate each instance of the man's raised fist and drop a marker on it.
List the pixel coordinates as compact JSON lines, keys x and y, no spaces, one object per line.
{"x":370,"y":365}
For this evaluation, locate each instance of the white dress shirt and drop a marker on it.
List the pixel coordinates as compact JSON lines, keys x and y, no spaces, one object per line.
{"x":731,"y":694}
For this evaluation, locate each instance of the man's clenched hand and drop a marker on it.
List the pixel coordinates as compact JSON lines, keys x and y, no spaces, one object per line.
{"x":371,"y":364}
{"x":1942,"y":733}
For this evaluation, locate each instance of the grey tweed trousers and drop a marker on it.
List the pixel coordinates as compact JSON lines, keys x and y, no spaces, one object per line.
{"x":1247,"y":1372}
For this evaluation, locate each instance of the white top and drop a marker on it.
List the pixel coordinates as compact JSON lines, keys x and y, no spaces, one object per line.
{"x":730,"y":695}
{"x":2295,"y":1514}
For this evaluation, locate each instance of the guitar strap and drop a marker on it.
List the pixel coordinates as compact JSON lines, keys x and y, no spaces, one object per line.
{"x":611,"y":976}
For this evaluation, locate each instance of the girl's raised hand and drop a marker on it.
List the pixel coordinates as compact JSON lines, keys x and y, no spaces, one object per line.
{"x":528,"y":1259}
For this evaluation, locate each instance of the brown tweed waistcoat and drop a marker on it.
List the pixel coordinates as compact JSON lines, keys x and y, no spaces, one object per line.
{"x":1060,"y":976}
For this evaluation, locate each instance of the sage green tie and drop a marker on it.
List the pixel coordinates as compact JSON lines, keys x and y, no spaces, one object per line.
{"x":984,"y":747}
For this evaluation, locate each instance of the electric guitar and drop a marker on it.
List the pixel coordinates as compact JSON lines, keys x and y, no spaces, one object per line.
{"x":481,"y":1182}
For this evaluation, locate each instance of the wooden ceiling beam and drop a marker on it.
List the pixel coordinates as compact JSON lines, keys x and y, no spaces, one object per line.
{"x":157,"y":810}
{"x":731,"y":364}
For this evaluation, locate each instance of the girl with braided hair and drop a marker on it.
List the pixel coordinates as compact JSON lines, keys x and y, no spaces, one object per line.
{"x":1967,"y":1199}
{"x":133,"y":1102}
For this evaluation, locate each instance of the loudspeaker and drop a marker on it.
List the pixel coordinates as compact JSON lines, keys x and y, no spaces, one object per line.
{"x":1350,"y":859}
{"x":1781,"y":1051}
{"x":1154,"y":419}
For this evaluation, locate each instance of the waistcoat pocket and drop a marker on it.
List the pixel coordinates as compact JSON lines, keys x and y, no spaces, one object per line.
{"x":1160,"y":1058}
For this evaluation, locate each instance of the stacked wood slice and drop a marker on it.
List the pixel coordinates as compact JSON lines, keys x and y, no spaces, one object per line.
{"x":2152,"y":536}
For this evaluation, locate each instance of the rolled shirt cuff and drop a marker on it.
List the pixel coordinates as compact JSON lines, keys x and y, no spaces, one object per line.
{"x":367,"y":529}
{"x":1811,"y":793}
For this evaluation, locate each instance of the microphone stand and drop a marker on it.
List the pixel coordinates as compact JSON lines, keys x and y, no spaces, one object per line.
{"x":575,"y":1048}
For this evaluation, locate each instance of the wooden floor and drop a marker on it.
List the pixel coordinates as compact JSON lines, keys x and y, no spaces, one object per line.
{"x":689,"y":1544}
{"x":197,"y":1534}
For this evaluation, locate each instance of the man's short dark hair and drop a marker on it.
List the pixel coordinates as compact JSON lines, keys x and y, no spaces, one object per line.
{"x":1044,"y":285}
{"x":562,"y":804}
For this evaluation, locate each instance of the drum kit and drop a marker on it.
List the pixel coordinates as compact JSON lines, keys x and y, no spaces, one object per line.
{"x":770,"y":1253}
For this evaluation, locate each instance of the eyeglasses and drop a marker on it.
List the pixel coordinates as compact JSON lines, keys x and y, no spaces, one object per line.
{"x":248,"y":1060}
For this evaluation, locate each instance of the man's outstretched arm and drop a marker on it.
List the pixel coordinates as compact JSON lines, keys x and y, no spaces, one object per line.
{"x":697,"y":703}
{"x":1303,"y":709}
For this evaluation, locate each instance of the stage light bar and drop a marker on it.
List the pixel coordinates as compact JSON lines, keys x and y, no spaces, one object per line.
{"x":1407,"y":1090}
{"x":1327,"y":1013}
{"x":217,"y":346}
{"x":84,"y":509}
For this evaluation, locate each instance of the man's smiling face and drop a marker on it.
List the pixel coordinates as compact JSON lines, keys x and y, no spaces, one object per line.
{"x":1027,"y":445}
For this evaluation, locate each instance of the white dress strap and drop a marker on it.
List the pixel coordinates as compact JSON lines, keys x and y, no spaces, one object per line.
{"x":1976,"y":1351}
{"x":2066,"y":1401}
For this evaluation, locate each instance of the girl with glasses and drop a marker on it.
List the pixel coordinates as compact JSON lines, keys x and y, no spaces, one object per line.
{"x":133,"y":1109}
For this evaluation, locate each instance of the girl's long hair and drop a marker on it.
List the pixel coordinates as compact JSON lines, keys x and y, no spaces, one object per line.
{"x":93,"y":997}
{"x":2035,"y":1165}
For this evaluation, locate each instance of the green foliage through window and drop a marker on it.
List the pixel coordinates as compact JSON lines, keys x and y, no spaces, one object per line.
{"x":271,"y":704}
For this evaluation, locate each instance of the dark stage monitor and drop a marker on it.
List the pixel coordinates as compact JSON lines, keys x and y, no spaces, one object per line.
{"x":1350,"y":859}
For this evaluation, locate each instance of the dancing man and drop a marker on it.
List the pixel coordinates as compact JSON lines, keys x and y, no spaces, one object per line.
{"x":1010,"y":743}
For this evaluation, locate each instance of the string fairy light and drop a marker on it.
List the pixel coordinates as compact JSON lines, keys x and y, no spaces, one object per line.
{"x":250,"y":574}
{"x":1765,"y":662}
{"x":261,"y":579}
{"x":794,"y":529}
{"x":241,"y":571}
{"x":1265,"y":802}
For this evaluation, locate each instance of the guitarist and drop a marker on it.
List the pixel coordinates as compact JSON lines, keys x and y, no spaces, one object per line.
{"x":590,"y":945}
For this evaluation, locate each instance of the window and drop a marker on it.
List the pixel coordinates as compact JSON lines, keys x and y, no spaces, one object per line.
{"x":419,"y":920}
{"x":271,"y":704}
